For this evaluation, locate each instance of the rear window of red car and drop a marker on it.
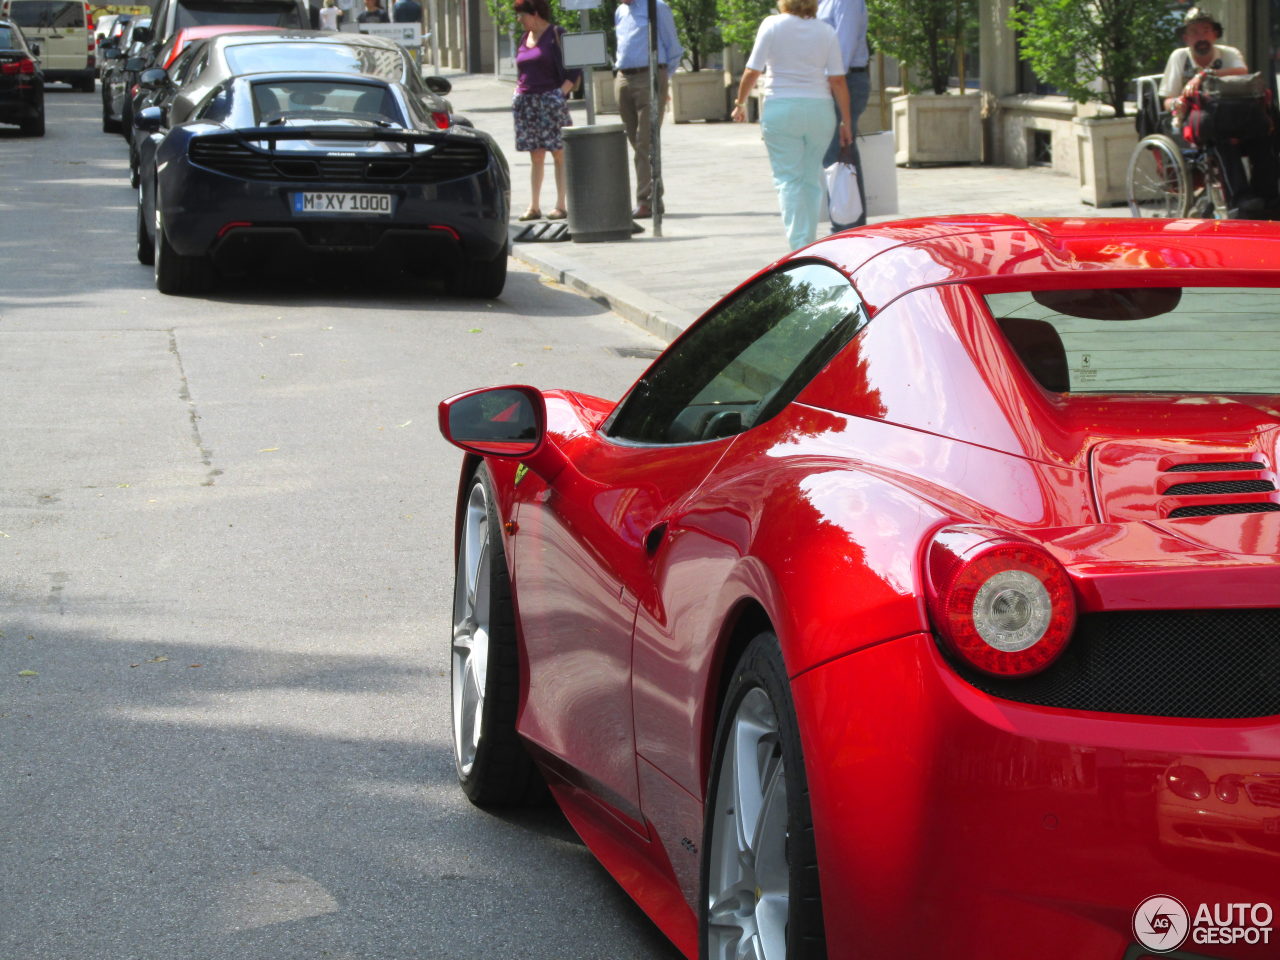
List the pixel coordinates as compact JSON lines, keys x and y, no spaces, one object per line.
{"x":1194,"y":340}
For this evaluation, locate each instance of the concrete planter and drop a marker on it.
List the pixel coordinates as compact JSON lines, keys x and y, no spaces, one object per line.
{"x":1104,"y":146}
{"x":937,"y":128}
{"x":605,"y":100}
{"x":698,"y":96}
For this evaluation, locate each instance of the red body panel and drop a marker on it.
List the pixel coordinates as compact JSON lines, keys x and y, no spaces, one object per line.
{"x":949,"y":822}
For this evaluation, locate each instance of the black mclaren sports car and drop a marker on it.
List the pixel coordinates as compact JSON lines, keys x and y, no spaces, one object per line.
{"x":273,"y":166}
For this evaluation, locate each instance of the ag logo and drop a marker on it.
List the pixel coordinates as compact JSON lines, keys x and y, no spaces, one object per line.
{"x":1160,"y":923}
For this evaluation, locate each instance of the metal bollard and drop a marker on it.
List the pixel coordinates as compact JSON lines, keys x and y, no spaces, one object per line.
{"x":598,"y":183}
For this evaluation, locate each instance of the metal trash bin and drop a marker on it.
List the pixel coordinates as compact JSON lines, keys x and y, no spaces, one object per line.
{"x":598,"y":182}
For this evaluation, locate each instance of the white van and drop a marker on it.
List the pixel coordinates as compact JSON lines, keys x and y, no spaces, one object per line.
{"x":62,"y":33}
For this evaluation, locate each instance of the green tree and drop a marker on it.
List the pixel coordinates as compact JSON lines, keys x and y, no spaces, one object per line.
{"x":698,"y":26}
{"x":922,"y":34}
{"x":1072,"y":44}
{"x":740,"y":20}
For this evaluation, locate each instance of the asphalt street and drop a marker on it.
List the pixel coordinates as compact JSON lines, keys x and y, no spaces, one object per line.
{"x":226,"y":526}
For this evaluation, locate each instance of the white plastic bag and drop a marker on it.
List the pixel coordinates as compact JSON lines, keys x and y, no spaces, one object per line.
{"x":842,"y":189}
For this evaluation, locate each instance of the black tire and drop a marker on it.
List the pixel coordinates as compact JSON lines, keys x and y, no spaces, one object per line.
{"x":742,"y":890}
{"x":482,"y":278}
{"x":177,"y":274}
{"x":109,"y":125}
{"x":83,"y":85}
{"x":33,"y":127}
{"x":493,"y":766}
{"x":145,"y":246}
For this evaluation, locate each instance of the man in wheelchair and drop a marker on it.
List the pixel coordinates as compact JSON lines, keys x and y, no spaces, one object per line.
{"x":1234,"y":123}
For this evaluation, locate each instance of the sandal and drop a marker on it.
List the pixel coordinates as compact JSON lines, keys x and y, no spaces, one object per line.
{"x":557,"y":214}
{"x":531,"y":215}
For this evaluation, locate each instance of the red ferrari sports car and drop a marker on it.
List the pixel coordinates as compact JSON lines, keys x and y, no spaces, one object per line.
{"x":922,"y":600}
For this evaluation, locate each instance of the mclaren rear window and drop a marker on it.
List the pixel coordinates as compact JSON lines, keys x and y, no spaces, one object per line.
{"x":1202,"y":340}
{"x":317,"y":101}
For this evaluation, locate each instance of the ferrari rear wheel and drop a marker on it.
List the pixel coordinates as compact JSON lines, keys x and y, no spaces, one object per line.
{"x":760,"y":896}
{"x":493,"y":767}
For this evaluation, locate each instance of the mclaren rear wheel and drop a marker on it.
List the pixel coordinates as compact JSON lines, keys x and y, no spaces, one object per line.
{"x":760,"y":895}
{"x":1158,"y":182}
{"x":493,"y":767}
{"x":177,"y":274}
{"x":482,"y":278}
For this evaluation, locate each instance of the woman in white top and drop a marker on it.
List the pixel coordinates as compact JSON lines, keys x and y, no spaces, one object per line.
{"x":330,"y":14}
{"x":805,"y":70}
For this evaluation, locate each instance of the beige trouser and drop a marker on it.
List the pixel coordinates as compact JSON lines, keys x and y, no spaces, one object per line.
{"x":632,"y":90}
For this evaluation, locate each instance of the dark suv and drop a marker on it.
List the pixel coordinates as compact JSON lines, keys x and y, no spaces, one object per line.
{"x":170,"y":16}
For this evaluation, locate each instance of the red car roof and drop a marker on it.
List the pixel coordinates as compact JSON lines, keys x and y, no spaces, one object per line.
{"x":1005,"y":252}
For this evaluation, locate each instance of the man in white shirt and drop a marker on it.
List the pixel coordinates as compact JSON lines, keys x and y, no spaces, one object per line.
{"x":1202,"y":54}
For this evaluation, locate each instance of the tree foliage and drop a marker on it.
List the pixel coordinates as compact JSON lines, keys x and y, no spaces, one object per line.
{"x":697,"y":23}
{"x":1072,"y":44}
{"x":740,"y":20}
{"x":922,"y":33}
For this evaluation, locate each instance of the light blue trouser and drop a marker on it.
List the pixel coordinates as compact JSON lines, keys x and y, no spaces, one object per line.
{"x":796,"y":133}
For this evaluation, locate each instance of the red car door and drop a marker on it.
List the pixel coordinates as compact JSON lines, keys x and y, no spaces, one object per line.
{"x":581,"y":555}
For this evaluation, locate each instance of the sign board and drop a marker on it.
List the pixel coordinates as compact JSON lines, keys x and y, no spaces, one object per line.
{"x":585,"y":49}
{"x":405,"y":34}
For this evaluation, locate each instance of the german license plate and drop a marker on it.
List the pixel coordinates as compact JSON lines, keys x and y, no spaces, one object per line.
{"x":359,"y":204}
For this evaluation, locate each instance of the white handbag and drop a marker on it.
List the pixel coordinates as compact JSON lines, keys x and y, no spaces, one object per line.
{"x":842,"y":189}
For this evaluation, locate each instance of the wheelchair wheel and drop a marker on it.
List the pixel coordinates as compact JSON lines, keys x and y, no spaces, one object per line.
{"x":1208,"y":199}
{"x":1158,"y":183}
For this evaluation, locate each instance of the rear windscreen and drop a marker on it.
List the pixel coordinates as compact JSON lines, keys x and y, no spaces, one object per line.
{"x":47,"y":13}
{"x":1214,"y":340}
{"x":7,"y":41}
{"x":315,"y":57}
{"x":260,"y":14}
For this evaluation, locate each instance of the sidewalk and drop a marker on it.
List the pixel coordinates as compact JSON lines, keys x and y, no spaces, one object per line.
{"x":722,"y":222}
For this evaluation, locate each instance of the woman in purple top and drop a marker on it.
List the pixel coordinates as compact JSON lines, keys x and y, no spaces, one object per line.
{"x":540,"y":107}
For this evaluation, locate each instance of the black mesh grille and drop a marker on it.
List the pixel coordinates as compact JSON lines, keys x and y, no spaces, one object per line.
{"x":1220,"y":486}
{"x":1217,"y":509}
{"x":1215,"y":467}
{"x":445,"y":161}
{"x":1202,"y":664}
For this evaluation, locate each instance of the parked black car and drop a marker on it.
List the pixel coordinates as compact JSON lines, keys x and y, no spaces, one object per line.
{"x":276,"y":166}
{"x":209,"y":62}
{"x":21,"y":82}
{"x":118,"y":80}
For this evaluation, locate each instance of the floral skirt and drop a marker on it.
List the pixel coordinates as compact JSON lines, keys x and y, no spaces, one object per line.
{"x":539,"y":117}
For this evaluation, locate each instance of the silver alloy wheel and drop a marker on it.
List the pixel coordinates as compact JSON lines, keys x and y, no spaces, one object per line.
{"x":471,"y":616}
{"x":748,"y":883}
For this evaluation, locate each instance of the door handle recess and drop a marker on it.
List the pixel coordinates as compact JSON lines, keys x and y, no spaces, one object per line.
{"x":653,"y":539}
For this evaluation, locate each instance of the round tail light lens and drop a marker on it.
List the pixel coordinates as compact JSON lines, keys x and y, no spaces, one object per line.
{"x":1003,"y":605}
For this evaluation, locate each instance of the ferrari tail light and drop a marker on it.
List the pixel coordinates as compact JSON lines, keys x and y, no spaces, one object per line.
{"x":15,"y":67}
{"x":441,"y":120}
{"x":1001,"y":604}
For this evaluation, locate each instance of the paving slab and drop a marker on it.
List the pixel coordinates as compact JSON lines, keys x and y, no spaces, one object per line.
{"x":722,"y":222}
